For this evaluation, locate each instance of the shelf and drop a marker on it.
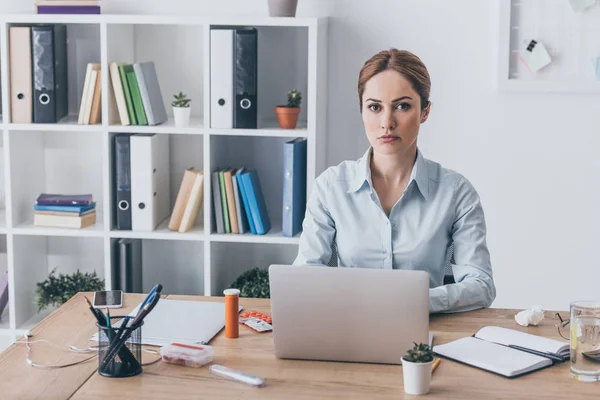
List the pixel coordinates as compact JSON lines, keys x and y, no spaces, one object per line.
{"x":196,"y":128}
{"x":67,"y":124}
{"x":160,"y":19}
{"x":162,"y":232}
{"x":270,"y":129}
{"x":274,"y":236}
{"x":28,"y":228}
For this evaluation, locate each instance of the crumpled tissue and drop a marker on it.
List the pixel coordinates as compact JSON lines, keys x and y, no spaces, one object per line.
{"x":531,"y":316}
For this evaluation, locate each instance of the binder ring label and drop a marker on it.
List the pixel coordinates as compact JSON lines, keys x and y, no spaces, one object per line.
{"x":245,"y":104}
{"x":123,"y":205}
{"x":44,"y":98}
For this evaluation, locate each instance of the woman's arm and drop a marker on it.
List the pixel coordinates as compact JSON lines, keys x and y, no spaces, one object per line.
{"x":471,"y":266}
{"x":318,"y":228}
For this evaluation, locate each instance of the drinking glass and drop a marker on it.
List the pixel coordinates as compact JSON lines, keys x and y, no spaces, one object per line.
{"x":585,"y":341}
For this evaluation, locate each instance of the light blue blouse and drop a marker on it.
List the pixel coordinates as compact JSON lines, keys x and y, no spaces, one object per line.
{"x":439,"y":215}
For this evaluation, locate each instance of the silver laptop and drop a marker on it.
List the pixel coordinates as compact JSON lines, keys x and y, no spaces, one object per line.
{"x":348,"y":314}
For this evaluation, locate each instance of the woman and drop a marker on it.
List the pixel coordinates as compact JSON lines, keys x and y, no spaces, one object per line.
{"x":393,"y":208}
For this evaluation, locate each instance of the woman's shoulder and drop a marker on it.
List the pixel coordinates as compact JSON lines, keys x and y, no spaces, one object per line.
{"x":447,"y":177}
{"x":345,"y":172}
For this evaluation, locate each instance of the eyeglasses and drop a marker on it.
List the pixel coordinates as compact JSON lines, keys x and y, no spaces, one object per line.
{"x":563,"y":331}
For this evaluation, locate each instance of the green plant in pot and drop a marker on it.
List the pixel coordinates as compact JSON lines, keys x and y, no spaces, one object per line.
{"x":253,"y":283}
{"x":181,"y":109}
{"x":56,"y":290}
{"x":416,"y":369}
{"x":287,"y":115}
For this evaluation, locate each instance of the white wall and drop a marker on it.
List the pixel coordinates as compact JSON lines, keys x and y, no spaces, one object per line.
{"x":533,"y":158}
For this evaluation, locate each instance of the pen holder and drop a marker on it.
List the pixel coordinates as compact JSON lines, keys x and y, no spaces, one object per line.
{"x":119,"y":350}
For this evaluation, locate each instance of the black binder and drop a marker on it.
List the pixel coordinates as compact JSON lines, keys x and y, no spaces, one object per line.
{"x":122,"y":181}
{"x":245,"y":51}
{"x":49,"y":72}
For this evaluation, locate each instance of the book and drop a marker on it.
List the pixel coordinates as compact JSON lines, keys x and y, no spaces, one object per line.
{"x":51,"y":199}
{"x":493,"y":349}
{"x":185,"y":189}
{"x":66,"y":209}
{"x":194,"y":203}
{"x":68,"y":9}
{"x":60,"y":221}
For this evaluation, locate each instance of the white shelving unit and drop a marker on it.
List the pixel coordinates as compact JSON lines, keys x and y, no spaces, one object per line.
{"x":571,"y":38}
{"x":67,"y":157}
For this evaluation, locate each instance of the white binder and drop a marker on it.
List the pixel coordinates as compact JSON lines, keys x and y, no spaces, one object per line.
{"x":221,"y":78}
{"x":149,"y":180}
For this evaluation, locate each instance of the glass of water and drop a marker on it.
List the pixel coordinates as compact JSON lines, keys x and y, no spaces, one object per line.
{"x":585,"y":341}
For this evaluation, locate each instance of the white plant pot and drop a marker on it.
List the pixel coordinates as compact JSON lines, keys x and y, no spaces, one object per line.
{"x":182,"y":116}
{"x":417,"y":377}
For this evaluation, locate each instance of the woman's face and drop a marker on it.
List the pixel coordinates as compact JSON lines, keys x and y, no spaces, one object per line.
{"x":391,"y":113}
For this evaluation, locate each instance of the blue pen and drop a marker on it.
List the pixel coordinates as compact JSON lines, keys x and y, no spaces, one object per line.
{"x":147,"y":299}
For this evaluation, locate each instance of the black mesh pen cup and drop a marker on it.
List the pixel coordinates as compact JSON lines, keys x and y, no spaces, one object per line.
{"x":119,"y":350}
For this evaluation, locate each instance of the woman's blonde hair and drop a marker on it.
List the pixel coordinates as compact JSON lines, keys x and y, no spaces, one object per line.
{"x":402,"y":61}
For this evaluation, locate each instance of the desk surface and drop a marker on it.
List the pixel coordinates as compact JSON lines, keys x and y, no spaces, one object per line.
{"x":72,"y":324}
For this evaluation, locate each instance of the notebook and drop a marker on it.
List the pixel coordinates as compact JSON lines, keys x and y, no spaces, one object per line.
{"x":182,"y":321}
{"x":488,"y":349}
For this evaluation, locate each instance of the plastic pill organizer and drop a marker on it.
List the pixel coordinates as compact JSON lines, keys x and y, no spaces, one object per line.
{"x":183,"y":354}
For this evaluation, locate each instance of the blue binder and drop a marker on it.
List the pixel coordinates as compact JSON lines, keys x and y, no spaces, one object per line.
{"x":256,"y":200}
{"x":294,"y":186}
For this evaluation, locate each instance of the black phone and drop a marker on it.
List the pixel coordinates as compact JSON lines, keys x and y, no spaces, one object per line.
{"x":108,"y":299}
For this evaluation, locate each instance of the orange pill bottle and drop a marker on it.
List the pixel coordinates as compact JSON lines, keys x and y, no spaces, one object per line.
{"x":232,"y":323}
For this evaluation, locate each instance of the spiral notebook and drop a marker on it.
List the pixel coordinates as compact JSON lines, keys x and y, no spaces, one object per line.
{"x":182,"y":321}
{"x":489,"y":350}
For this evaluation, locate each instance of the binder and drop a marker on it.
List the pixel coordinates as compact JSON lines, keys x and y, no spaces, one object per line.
{"x":217,"y":208}
{"x":122,"y":181}
{"x":221,"y":78}
{"x":150,"y":92}
{"x":49,"y":66}
{"x":256,"y":202}
{"x":239,"y":207}
{"x":233,"y":78}
{"x":150,"y":182}
{"x":245,"y":202}
{"x":245,"y":52}
{"x":130,"y":265}
{"x":21,"y":105}
{"x":294,"y":186}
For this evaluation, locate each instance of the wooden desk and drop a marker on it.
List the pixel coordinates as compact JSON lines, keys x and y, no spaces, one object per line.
{"x":286,"y":379}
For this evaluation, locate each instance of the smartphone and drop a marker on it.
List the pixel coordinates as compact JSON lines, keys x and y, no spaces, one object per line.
{"x":108,"y":299}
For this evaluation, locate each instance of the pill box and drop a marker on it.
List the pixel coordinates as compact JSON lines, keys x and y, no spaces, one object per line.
{"x":184,"y":354}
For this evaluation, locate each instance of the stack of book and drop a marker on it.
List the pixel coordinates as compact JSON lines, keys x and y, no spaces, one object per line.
{"x":67,"y":6}
{"x":64,"y":210}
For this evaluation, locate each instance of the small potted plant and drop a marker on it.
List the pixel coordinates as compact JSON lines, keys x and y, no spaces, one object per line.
{"x":287,"y":115}
{"x":416,"y":369}
{"x":253,"y":283}
{"x":181,"y":109}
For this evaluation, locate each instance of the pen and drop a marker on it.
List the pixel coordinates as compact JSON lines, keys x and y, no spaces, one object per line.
{"x":549,"y":355}
{"x":95,"y":312}
{"x":435,"y":364}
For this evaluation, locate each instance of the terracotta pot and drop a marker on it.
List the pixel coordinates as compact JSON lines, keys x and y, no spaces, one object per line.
{"x":287,"y":116}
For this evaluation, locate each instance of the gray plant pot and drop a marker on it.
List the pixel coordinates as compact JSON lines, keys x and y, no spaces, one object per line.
{"x":282,"y":8}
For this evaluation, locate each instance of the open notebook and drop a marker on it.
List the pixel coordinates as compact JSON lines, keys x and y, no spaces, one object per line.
{"x":489,"y":350}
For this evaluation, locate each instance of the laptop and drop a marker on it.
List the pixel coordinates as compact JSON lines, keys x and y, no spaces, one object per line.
{"x":348,"y":314}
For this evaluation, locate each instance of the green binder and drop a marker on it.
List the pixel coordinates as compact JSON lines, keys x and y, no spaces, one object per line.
{"x":136,"y":97}
{"x":224,"y":201}
{"x":123,"y":69}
